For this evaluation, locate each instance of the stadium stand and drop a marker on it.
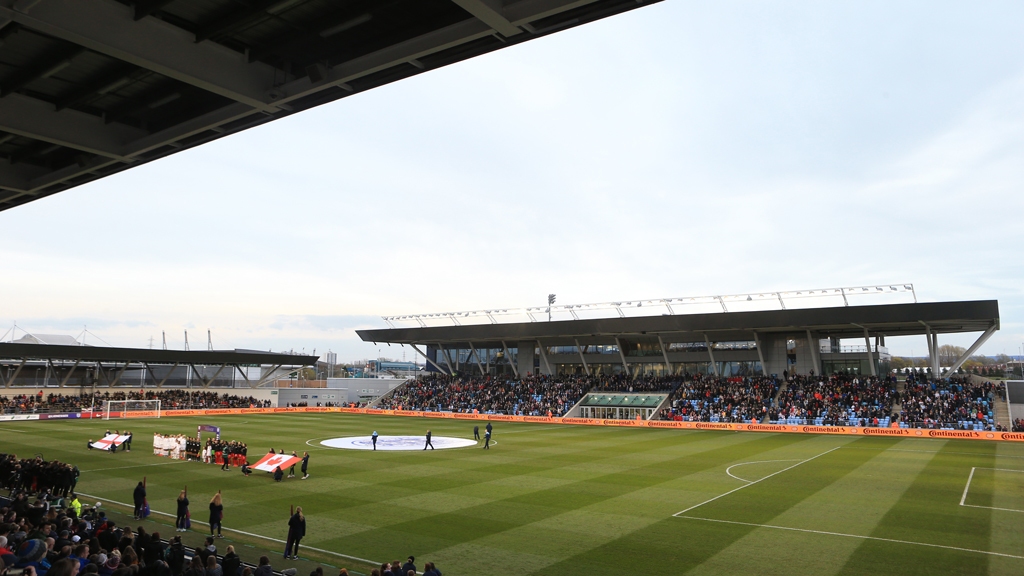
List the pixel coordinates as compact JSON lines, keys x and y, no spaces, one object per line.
{"x":532,"y":396}
{"x":702,"y":398}
{"x":838,"y":400}
{"x":954,"y":404}
{"x":170,"y":400}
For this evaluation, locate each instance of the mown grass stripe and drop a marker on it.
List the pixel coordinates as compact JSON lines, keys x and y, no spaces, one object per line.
{"x":929,"y":512}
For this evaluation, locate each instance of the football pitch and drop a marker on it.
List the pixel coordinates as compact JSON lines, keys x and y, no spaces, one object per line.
{"x":574,"y":500}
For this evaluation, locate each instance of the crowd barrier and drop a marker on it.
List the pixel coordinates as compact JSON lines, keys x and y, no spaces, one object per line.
{"x":797,"y":429}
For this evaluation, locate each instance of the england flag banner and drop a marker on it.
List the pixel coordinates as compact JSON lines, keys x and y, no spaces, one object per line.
{"x":270,"y":462}
{"x":109,"y":439}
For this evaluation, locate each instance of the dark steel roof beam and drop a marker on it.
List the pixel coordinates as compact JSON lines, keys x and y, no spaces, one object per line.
{"x":38,"y":120}
{"x":118,"y":77}
{"x":144,"y":8}
{"x":256,"y":12}
{"x":492,"y":13}
{"x":45,"y":67}
{"x":353,"y":15}
{"x":108,"y":28}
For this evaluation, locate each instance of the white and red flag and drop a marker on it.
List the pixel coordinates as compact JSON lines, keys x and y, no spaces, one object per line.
{"x":109,"y":439}
{"x":270,"y":462}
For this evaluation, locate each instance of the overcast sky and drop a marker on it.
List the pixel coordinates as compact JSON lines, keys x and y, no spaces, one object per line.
{"x":685,"y":148}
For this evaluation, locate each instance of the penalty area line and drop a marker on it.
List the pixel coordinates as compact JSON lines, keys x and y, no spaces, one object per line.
{"x":346,"y":556}
{"x":138,"y":466}
{"x":755,"y":481}
{"x":840,"y":534}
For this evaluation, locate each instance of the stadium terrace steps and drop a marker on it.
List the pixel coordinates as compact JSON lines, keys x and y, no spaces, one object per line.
{"x":389,"y":393}
{"x":775,"y":401}
{"x":1002,"y":412}
{"x":897,"y":405}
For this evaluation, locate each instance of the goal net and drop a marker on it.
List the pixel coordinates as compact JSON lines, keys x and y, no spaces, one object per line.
{"x":131,"y":409}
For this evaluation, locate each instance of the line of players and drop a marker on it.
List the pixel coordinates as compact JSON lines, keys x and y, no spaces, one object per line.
{"x":181,"y":447}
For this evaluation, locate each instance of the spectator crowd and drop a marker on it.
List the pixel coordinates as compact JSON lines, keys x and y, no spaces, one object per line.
{"x":56,"y":537}
{"x":51,"y":477}
{"x":530,"y":396}
{"x":170,"y":399}
{"x":707,"y":398}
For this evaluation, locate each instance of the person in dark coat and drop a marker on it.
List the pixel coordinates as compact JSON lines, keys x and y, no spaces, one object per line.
{"x":409,"y":566}
{"x":488,"y":428}
{"x":487,"y":440}
{"x":231,"y":562}
{"x":305,"y":464}
{"x":139,"y":497}
{"x":278,"y":474}
{"x":216,"y":514}
{"x":476,"y":432}
{"x":428,"y":442}
{"x":374,"y":438}
{"x":180,"y":524}
{"x":296,"y":531}
{"x":176,"y":556}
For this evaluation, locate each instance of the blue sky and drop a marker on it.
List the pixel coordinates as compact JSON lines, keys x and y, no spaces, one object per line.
{"x":685,"y":148}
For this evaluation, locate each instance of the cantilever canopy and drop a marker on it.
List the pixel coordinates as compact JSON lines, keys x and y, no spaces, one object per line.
{"x":838,"y":322}
{"x":92,"y":87}
{"x":10,"y":351}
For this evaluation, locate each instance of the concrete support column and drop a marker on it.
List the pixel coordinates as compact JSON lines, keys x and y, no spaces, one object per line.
{"x":525,"y":357}
{"x":711,"y":355}
{"x":871,"y":358}
{"x":545,"y":366}
{"x":814,"y":345}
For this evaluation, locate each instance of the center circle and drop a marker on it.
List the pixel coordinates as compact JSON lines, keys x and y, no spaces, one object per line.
{"x":397,"y":442}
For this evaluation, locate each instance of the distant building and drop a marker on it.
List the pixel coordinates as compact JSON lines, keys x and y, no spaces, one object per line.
{"x":51,"y":339}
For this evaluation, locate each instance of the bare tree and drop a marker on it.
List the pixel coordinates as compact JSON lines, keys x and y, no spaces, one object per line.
{"x":949,"y":354}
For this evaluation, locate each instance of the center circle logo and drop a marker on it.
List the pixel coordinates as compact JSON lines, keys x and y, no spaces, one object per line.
{"x":397,"y":442}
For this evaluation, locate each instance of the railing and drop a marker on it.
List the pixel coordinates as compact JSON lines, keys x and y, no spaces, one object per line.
{"x":684,"y":305}
{"x":829,"y":349}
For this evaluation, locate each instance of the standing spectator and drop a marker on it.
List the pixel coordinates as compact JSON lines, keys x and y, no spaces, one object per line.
{"x":139,"y":497}
{"x":182,"y":517}
{"x":216,"y":514}
{"x":296,"y":531}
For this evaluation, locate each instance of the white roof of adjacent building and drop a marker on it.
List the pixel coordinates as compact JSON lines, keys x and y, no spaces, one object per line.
{"x":54,"y":339}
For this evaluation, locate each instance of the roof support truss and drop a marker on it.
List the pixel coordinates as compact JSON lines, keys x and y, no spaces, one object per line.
{"x":110,"y":28}
{"x":427,"y":358}
{"x":490,"y":12}
{"x":970,"y":351}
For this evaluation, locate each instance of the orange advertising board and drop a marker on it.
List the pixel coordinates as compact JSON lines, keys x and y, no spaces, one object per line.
{"x":787,"y":428}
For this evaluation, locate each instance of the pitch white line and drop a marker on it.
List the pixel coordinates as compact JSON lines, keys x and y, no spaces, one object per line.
{"x":139,"y":466}
{"x":933,"y":452}
{"x":756,"y":481}
{"x":745,"y":463}
{"x":967,"y":487}
{"x":854,"y":536}
{"x":371,"y":562}
{"x":12,"y":430}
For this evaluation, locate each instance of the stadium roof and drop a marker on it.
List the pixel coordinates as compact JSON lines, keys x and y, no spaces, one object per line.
{"x":92,"y":87}
{"x":833,"y":322}
{"x":10,"y":350}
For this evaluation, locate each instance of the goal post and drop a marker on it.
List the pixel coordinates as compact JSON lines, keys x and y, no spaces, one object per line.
{"x":131,"y":409}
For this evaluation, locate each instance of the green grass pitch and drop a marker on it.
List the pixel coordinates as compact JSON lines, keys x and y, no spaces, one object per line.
{"x":573,"y":500}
